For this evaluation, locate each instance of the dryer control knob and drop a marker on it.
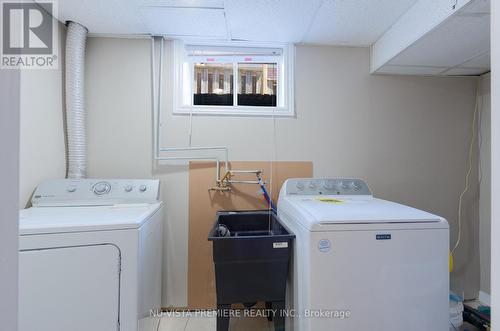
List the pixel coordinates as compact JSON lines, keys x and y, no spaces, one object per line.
{"x":300,"y":186}
{"x":327,"y":185}
{"x":342,"y":186}
{"x":128,"y":188}
{"x":143,"y":188}
{"x":71,"y":189}
{"x":101,"y":188}
{"x":355,"y":186}
{"x":312,"y":185}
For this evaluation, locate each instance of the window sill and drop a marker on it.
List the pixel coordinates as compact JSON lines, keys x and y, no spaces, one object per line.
{"x":235,"y":111}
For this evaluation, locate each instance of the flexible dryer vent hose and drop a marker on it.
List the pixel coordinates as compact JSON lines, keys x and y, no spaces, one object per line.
{"x":75,"y":105}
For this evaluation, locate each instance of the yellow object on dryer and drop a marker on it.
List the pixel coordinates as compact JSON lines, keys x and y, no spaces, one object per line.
{"x":330,"y":200}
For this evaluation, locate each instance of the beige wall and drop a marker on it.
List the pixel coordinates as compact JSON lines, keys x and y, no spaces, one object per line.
{"x":407,"y":136}
{"x":485,"y":184}
{"x":42,"y":152}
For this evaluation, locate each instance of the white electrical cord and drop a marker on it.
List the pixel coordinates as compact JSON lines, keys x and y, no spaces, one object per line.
{"x":466,"y":188}
{"x":480,"y":140}
{"x":190,"y":133}
{"x":271,"y":170}
{"x":273,"y":157}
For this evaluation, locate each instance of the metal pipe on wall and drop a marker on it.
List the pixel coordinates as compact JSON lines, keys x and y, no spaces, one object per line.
{"x":157,"y":122}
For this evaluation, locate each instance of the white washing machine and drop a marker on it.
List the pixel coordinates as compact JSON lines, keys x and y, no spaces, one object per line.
{"x":362,"y":263}
{"x":90,"y":255}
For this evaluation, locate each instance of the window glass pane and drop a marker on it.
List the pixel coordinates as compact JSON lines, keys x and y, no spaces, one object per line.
{"x":213,"y":84}
{"x":257,"y":84}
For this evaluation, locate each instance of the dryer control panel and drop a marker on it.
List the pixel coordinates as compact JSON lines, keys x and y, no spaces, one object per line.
{"x":95,"y":192}
{"x":326,"y":186}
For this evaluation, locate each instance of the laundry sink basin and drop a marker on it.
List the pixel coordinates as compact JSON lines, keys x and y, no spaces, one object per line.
{"x":251,"y":253}
{"x":255,"y":223}
{"x":249,"y":235}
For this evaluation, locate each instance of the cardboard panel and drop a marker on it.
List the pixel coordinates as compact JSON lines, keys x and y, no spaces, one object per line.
{"x":203,"y":204}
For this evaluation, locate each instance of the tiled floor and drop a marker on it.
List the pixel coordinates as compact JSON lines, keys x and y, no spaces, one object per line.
{"x":203,"y":324}
{"x":209,"y":324}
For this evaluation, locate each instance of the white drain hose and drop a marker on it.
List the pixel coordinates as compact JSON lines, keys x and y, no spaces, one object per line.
{"x":75,"y":106}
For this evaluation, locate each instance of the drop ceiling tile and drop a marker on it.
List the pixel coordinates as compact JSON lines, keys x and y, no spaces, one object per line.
{"x":452,"y":43}
{"x":194,"y":22}
{"x":360,"y":22}
{"x":105,"y":17}
{"x":184,"y":3}
{"x":270,"y":20}
{"x":410,"y":70}
{"x":465,"y":71}
{"x":482,"y":61}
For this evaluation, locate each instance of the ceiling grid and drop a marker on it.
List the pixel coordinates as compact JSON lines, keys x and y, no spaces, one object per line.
{"x":460,"y":45}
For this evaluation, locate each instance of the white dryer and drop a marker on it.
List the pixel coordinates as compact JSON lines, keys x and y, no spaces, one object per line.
{"x":362,"y":263}
{"x":90,"y":255}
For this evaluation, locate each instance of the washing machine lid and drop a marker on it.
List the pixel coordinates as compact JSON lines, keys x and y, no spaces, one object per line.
{"x":317,"y":212}
{"x":46,"y":220}
{"x":325,"y":204}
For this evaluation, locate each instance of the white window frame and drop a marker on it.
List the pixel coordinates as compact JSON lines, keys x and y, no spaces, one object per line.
{"x":183,"y":81}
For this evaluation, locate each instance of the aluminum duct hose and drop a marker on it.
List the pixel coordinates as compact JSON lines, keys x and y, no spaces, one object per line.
{"x":75,"y":105}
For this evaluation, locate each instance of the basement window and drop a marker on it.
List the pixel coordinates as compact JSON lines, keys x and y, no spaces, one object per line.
{"x":233,"y":79}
